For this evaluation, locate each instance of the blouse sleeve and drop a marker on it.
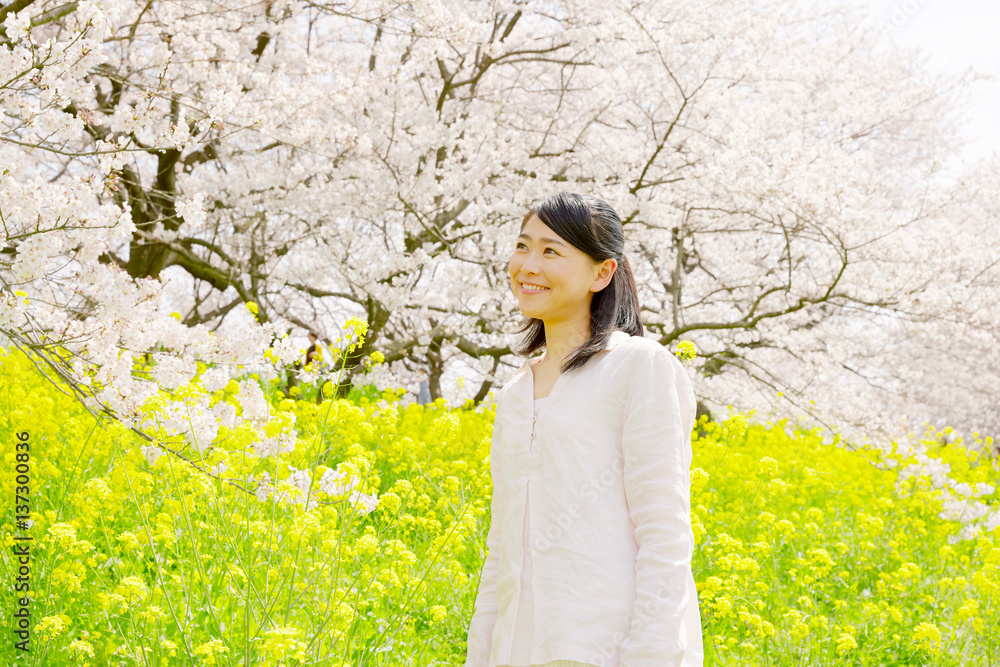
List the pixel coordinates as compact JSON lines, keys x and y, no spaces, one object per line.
{"x":480,"y":640}
{"x":656,"y":448}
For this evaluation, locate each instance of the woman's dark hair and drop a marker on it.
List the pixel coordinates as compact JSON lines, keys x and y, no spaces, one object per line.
{"x":589,"y":224}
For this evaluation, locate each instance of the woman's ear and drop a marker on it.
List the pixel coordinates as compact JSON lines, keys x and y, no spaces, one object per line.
{"x":605,"y":273}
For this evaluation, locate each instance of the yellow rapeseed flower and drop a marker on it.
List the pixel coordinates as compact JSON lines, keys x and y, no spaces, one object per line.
{"x":280,"y":643}
{"x":438,"y":613}
{"x":113,"y":603}
{"x":798,"y":630}
{"x":209,"y":649}
{"x":389,"y":502}
{"x":968,"y":610}
{"x":734,"y":427}
{"x":846,"y":641}
{"x":686,"y":350}
{"x":129,"y":541}
{"x":69,"y":577}
{"x":52,"y":626}
{"x":62,"y":533}
{"x":81,"y":648}
{"x":153,"y":614}
{"x":367,"y":545}
{"x":928,"y":637}
{"x":169,"y":646}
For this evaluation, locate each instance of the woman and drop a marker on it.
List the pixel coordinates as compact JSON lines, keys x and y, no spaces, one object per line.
{"x":590,"y":542}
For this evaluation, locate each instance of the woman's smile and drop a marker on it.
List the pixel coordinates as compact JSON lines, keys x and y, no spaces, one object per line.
{"x":529,"y":288}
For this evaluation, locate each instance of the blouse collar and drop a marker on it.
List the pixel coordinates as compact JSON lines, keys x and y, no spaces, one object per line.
{"x":522,"y":387}
{"x":617,"y":336}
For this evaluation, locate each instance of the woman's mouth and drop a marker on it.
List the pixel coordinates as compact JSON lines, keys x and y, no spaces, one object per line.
{"x":528,"y":288}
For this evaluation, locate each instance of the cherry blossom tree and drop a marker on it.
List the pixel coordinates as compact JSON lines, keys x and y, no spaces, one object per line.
{"x":777,"y":170}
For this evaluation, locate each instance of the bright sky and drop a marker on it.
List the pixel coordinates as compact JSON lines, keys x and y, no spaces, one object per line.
{"x":955,"y":34}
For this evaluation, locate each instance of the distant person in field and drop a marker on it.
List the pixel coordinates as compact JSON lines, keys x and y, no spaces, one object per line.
{"x":313,"y":352}
{"x":423,"y":387}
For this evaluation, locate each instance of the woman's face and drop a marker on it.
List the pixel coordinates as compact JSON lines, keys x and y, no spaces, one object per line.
{"x":568,"y":277}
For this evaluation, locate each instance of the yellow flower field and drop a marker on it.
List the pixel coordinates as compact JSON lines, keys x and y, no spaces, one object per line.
{"x":351,"y":532}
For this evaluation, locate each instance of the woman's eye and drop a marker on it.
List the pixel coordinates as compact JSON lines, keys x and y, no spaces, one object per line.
{"x":521,"y":245}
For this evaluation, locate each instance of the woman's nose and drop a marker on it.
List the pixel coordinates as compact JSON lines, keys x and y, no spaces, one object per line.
{"x":530,"y":264}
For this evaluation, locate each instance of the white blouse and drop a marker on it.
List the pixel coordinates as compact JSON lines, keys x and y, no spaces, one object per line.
{"x":605,"y":461}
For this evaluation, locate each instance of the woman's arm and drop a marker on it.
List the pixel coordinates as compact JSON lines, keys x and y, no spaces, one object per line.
{"x":656,"y":446}
{"x":484,"y":618}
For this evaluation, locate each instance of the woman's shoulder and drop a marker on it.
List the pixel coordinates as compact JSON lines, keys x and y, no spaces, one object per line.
{"x":645,"y":355}
{"x":639,"y":348}
{"x":505,"y":388}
